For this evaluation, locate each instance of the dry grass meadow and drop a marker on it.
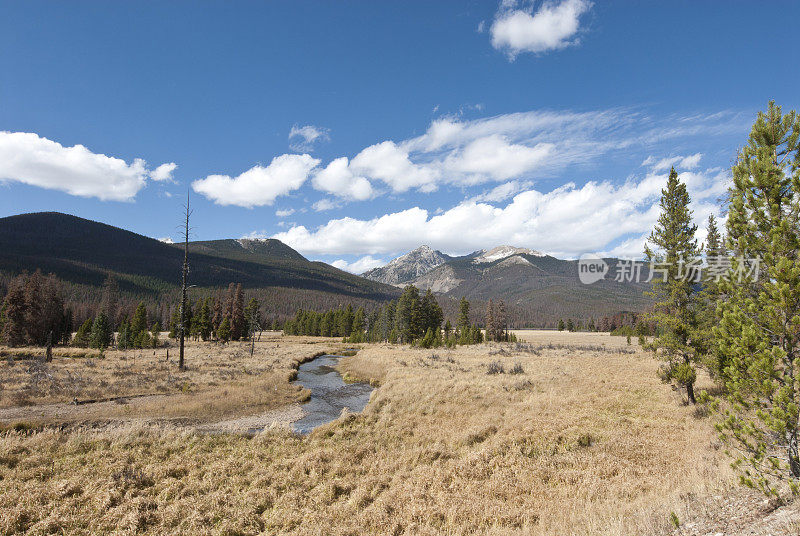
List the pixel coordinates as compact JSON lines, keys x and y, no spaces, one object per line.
{"x":581,"y":439}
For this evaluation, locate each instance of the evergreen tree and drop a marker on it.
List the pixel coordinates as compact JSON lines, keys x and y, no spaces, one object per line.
{"x":673,"y":248}
{"x":346,"y":321}
{"x":759,"y":330}
{"x":204,"y":323}
{"x":561,"y":325}
{"x":430,"y":315}
{"x":238,"y":320}
{"x":155,"y":333}
{"x":570,"y":325}
{"x":707,"y":319}
{"x":358,"y":326}
{"x":124,"y":340}
{"x":407,"y":315}
{"x":224,"y":330}
{"x":14,"y":307}
{"x":84,"y":334}
{"x":139,"y":321}
{"x":252,"y":314}
{"x":101,"y":332}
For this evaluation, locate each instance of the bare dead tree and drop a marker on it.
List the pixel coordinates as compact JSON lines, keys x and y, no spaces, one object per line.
{"x":184,"y":286}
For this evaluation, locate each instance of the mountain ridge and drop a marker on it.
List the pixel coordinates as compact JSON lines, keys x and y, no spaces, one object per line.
{"x":84,"y":252}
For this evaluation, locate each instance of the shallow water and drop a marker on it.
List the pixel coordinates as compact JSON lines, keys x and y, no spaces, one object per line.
{"x":329,"y":393}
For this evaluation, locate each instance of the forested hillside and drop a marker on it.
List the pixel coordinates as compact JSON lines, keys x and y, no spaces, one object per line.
{"x":82,"y":252}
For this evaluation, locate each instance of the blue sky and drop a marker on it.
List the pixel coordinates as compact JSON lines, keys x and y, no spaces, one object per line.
{"x":462,"y":125}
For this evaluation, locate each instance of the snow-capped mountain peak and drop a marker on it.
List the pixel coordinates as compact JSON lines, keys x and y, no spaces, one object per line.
{"x":502,"y":252}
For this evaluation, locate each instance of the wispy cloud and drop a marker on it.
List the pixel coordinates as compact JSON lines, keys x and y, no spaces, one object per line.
{"x":304,"y":138}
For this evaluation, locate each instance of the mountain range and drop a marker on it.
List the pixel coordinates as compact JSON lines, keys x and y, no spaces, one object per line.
{"x":539,"y":288}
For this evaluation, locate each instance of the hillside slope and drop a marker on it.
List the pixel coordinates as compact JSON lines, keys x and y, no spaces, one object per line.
{"x":83,"y":252}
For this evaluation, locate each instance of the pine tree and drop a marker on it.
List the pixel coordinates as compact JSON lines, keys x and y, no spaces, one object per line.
{"x":407,"y":315}
{"x":501,"y":321}
{"x":707,"y":319}
{"x":561,"y":325}
{"x":205,"y":327}
{"x":673,"y":247}
{"x":139,"y":321}
{"x":224,"y":330}
{"x":570,"y":325}
{"x":238,"y":320}
{"x":252,"y":314}
{"x":14,"y":333}
{"x":759,"y":330}
{"x":101,"y":332}
{"x":83,"y":335}
{"x":358,"y":326}
{"x":155,"y":333}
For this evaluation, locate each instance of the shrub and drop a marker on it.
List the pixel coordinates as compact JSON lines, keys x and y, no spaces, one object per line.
{"x":495,"y":367}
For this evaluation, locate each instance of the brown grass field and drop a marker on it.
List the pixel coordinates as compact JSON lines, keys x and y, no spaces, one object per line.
{"x":584,"y":440}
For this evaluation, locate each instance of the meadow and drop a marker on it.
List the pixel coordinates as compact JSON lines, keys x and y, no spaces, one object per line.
{"x":559,"y":434}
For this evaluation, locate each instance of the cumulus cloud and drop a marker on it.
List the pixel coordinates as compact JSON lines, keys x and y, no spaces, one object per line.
{"x":303,"y":139}
{"x":565,"y":222}
{"x":258,"y":185}
{"x":30,"y":159}
{"x":163,"y":173}
{"x":284,"y":213}
{"x":391,"y":164}
{"x":679,"y":162}
{"x":338,"y":178}
{"x":553,"y":27}
{"x":358,"y":266}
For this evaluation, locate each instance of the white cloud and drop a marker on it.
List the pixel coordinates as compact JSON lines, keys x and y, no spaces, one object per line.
{"x":163,"y":173}
{"x":679,"y":162}
{"x":258,"y":185}
{"x":30,"y":159}
{"x":338,"y":178}
{"x":391,"y":164}
{"x":503,"y":191}
{"x":565,"y":222}
{"x":166,"y":240}
{"x":303,"y":139}
{"x":284,"y":213}
{"x":324,"y":204}
{"x":493,"y":158}
{"x":553,"y":27}
{"x":358,"y":266}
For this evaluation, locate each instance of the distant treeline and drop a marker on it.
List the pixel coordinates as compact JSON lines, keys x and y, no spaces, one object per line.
{"x":35,"y":310}
{"x":411,"y":319}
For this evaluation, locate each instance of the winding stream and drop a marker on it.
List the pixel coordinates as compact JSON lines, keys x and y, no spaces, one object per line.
{"x":329,"y":393}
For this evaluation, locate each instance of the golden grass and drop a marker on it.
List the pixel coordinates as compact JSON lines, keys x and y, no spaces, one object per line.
{"x":581,"y":442}
{"x":220,"y":381}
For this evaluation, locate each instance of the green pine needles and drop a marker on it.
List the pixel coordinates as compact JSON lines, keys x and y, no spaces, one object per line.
{"x":758,"y":333}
